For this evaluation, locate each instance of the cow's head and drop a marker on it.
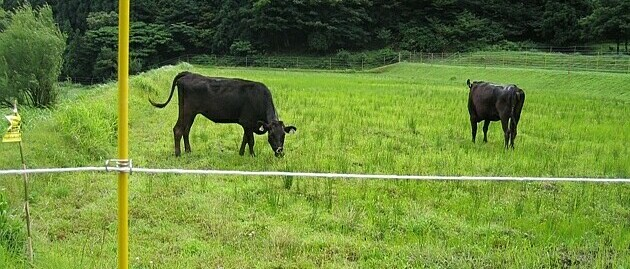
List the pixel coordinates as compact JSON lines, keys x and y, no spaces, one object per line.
{"x":276,"y":131}
{"x":472,"y":84}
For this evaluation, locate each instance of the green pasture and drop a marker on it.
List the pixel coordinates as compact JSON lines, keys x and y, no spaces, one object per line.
{"x":406,"y":119}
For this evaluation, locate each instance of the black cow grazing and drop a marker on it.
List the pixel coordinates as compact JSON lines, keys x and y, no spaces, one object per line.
{"x":489,"y":102}
{"x":227,"y":100}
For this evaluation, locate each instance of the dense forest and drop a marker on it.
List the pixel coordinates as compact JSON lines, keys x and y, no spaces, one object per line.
{"x":162,"y":30}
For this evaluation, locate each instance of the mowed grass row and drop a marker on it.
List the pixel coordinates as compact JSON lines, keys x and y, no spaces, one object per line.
{"x":403,"y":119}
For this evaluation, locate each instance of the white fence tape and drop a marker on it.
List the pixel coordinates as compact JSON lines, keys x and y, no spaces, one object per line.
{"x":304,"y":174}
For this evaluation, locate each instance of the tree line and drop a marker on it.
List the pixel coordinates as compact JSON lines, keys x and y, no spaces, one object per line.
{"x":165,"y":29}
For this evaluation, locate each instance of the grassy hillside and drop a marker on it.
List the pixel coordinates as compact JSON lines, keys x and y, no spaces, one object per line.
{"x":403,"y":119}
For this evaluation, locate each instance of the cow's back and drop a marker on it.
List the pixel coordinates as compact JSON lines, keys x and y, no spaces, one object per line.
{"x":222,"y":100}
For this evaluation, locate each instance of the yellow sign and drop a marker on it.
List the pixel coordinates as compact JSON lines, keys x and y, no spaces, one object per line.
{"x":13,"y":133}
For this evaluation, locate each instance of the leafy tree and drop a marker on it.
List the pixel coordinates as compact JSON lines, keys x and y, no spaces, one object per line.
{"x":5,"y":19}
{"x":31,"y":49}
{"x":242,"y":48}
{"x":610,"y":20}
{"x":105,"y":64}
{"x":95,"y":52}
{"x":560,"y":21}
{"x":163,"y":30}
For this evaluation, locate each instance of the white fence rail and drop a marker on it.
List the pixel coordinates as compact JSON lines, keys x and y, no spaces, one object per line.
{"x":307,"y":174}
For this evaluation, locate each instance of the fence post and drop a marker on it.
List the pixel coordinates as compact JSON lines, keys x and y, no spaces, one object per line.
{"x":597,"y":61}
{"x":246,"y":61}
{"x":361,"y":63}
{"x":399,"y":55}
{"x":330,"y":63}
{"x":526,"y":58}
{"x":420,"y":56}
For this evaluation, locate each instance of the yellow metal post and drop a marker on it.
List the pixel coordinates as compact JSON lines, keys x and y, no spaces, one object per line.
{"x":123,"y":132}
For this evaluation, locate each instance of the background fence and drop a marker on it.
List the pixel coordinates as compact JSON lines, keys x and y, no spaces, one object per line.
{"x":574,"y":60}
{"x":289,"y":62}
{"x":541,"y":60}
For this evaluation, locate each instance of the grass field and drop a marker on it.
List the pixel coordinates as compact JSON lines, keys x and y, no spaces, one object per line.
{"x":402,"y":119}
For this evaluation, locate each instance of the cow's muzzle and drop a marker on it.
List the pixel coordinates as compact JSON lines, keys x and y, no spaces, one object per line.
{"x":279,"y":152}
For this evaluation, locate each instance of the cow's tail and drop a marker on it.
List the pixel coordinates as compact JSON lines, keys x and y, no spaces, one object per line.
{"x":172,"y":90}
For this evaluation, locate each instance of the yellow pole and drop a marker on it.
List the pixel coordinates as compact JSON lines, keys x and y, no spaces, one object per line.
{"x":123,"y":122}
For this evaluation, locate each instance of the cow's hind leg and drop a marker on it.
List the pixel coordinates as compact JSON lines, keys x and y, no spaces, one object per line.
{"x":473,"y":126}
{"x":486,"y":124}
{"x":189,"y":124}
{"x":512,"y":133}
{"x":181,"y":130}
{"x":178,"y":132}
{"x":506,"y":131}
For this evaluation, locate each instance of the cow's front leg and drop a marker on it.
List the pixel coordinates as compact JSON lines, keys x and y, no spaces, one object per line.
{"x":486,"y":124}
{"x":245,"y":140}
{"x":250,"y":138}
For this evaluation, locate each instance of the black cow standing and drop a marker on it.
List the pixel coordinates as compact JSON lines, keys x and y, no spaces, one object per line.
{"x":489,"y":102}
{"x":227,"y":100}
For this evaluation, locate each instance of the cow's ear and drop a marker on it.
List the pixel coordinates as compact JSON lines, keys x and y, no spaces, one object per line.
{"x":290,"y":129}
{"x":262,"y":126}
{"x":468,"y":83}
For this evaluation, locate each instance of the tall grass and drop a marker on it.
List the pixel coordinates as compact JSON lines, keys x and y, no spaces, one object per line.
{"x":405,"y":119}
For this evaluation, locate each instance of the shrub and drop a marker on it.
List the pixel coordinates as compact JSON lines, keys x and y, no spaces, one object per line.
{"x":242,"y":48}
{"x":31,"y":50}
